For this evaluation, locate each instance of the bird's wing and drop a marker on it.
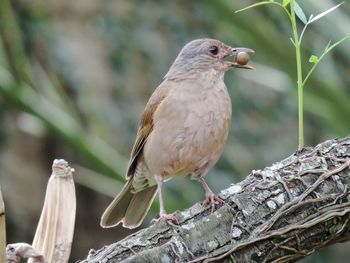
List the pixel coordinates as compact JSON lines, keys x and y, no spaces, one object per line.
{"x":146,"y":126}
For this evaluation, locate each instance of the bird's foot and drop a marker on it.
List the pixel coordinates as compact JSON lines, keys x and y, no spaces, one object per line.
{"x":170,"y":218}
{"x":211,"y":199}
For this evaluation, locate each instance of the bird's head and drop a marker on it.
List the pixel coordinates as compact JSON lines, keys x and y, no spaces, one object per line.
{"x":202,"y":55}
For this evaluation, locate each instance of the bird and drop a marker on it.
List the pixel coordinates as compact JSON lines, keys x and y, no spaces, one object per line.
{"x":182,"y":130}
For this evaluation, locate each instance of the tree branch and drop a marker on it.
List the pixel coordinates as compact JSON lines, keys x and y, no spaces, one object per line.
{"x":279,"y":214}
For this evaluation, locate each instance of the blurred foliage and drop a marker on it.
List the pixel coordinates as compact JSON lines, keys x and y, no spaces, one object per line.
{"x":76,"y":75}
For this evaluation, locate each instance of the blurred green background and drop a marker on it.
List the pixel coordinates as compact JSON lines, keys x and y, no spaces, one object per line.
{"x":76,"y":75}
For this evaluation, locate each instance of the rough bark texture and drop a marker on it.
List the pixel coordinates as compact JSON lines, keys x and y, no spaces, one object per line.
{"x":279,"y":214}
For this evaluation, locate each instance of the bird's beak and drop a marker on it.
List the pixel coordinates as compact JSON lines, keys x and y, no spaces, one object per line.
{"x":234,"y":53}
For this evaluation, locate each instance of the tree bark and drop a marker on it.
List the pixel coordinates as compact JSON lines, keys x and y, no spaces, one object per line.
{"x":279,"y":214}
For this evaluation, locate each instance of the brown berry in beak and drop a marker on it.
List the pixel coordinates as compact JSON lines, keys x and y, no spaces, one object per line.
{"x":241,"y":57}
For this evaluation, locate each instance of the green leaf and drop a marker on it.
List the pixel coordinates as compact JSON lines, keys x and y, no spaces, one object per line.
{"x":313,"y":59}
{"x":329,"y":48}
{"x":299,"y":12}
{"x":324,"y":13}
{"x":285,"y":2}
{"x":328,"y":44}
{"x":255,"y":5}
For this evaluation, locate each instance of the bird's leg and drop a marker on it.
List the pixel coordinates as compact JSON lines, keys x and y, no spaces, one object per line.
{"x":160,"y":195}
{"x":210,"y":197}
{"x":162,"y":212}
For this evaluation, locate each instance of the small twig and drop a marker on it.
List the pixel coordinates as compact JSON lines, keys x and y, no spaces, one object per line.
{"x":311,"y":171}
{"x":322,"y":178}
{"x":283,"y":183}
{"x":277,"y":246}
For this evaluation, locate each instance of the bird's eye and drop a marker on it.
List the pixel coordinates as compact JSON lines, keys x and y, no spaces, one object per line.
{"x":214,"y":50}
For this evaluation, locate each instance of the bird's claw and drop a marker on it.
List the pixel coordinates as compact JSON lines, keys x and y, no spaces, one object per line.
{"x":166,"y":217}
{"x":211,"y":199}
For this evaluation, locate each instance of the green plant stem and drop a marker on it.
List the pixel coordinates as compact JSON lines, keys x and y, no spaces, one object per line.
{"x":299,"y":75}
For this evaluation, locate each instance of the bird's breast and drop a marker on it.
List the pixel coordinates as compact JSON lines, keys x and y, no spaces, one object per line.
{"x":190,"y":129}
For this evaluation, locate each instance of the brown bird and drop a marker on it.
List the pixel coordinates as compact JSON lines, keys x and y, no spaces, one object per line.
{"x":182,"y":130}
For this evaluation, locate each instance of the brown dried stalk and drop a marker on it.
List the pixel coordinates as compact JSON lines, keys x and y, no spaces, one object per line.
{"x":54,"y":234}
{"x":2,"y":230}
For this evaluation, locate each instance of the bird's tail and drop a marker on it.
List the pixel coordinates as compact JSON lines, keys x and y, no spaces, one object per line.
{"x":128,"y":208}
